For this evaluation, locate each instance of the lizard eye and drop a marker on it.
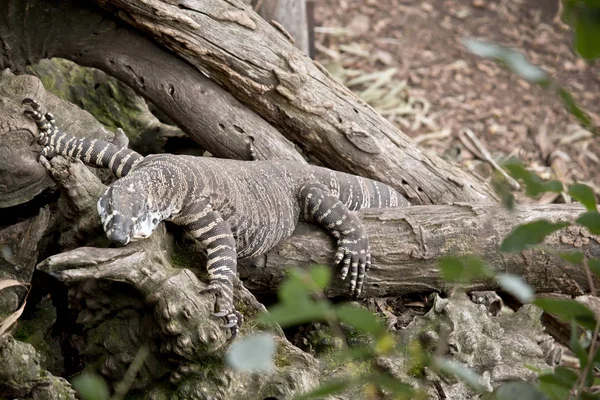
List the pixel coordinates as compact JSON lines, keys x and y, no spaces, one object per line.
{"x":154,"y":221}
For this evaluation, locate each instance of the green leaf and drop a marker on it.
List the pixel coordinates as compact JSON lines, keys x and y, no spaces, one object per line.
{"x":320,"y":275}
{"x":325,"y":389}
{"x":572,"y":107}
{"x":559,"y":383}
{"x":594,"y":265}
{"x":576,"y":346}
{"x":91,"y":387}
{"x":360,"y":319}
{"x":584,"y":17}
{"x":287,"y":316}
{"x":568,"y":310}
{"x":573,"y":257}
{"x":293,"y":291}
{"x":514,"y":60}
{"x":516,"y":286}
{"x":463,"y":268}
{"x":591,"y":220}
{"x":534,"y":185}
{"x":565,"y":376}
{"x":461,"y":372}
{"x":518,"y":391}
{"x":398,"y":388}
{"x":527,"y":235}
{"x":583,"y":194}
{"x":552,"y":389}
{"x":253,"y":353}
{"x":587,"y":43}
{"x":503,"y":190}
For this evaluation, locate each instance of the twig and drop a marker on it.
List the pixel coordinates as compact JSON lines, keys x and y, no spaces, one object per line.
{"x":444,"y":133}
{"x":582,"y":375}
{"x":258,"y":5}
{"x":326,"y":50}
{"x":486,"y":156}
{"x":593,"y":344}
{"x":123,"y":387}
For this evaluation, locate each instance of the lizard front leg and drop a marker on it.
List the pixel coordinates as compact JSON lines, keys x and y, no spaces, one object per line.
{"x":47,"y":130}
{"x":207,"y":226}
{"x":94,"y":152}
{"x":353,"y":252}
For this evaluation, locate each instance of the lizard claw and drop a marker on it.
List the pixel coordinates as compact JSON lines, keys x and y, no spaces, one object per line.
{"x":220,"y":314}
{"x":44,"y":123}
{"x":354,"y":255}
{"x":33,"y":103}
{"x":225,"y":308}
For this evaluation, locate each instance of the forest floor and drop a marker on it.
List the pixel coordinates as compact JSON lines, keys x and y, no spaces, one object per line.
{"x":407,"y":59}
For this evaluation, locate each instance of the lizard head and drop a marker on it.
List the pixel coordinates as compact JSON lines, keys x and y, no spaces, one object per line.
{"x":126,"y":215}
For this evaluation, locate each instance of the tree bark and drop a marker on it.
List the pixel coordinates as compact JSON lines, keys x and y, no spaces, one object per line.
{"x":407,"y":242}
{"x":261,"y":67}
{"x":290,"y":15}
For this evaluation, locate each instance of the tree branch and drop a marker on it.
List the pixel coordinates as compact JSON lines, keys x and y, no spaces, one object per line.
{"x":261,"y":68}
{"x":91,"y":37}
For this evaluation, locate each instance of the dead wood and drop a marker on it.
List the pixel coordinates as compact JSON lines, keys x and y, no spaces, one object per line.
{"x":87,"y":35}
{"x":288,"y":16}
{"x":261,"y":67}
{"x":23,"y":377}
{"x":22,"y":177}
{"x":406,"y":242}
{"x":252,"y":60}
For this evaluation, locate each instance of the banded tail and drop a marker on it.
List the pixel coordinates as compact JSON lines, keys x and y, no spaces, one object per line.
{"x":99,"y":153}
{"x":358,"y":193}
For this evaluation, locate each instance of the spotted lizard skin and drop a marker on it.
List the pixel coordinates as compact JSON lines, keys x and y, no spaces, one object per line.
{"x":235,"y":209}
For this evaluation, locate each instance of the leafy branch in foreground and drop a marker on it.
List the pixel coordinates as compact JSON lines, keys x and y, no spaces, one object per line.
{"x":561,"y":383}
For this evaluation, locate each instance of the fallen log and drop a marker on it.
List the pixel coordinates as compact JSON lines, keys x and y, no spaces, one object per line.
{"x":407,"y":242}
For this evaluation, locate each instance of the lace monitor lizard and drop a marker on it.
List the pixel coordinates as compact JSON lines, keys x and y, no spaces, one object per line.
{"x":235,"y":209}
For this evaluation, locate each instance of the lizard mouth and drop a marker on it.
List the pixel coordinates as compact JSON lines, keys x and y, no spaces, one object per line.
{"x":139,"y":236}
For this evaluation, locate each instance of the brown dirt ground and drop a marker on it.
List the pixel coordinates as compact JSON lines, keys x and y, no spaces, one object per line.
{"x":432,"y":88}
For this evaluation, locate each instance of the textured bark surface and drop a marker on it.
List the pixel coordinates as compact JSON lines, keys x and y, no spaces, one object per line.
{"x":406,"y":242}
{"x":289,"y":16}
{"x":22,"y":377}
{"x":87,"y":35}
{"x":114,"y":104}
{"x":19,"y":249}
{"x":499,"y":349}
{"x":261,"y":67}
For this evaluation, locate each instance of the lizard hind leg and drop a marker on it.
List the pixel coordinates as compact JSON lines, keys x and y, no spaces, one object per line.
{"x":353,"y":252}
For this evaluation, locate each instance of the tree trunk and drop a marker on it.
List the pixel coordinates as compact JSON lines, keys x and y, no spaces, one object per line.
{"x":407,"y":242}
{"x":261,"y":67}
{"x":89,"y":36}
{"x":291,"y":15}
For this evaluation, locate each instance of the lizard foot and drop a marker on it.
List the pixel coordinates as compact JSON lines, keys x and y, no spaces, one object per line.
{"x":36,"y":114}
{"x":46,"y":125}
{"x":354,"y":255}
{"x":225,"y":308}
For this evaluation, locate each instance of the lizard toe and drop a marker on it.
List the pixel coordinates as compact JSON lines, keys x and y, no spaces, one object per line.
{"x":353,"y":272}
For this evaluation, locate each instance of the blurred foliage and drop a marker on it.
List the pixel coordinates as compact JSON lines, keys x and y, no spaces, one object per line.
{"x":584,"y":17}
